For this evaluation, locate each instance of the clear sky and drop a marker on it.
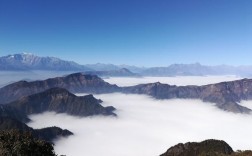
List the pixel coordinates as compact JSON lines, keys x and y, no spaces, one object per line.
{"x":134,"y":32}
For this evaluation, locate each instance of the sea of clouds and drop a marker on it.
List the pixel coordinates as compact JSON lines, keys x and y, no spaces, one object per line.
{"x":146,"y":126}
{"x":8,"y":77}
{"x":176,"y":80}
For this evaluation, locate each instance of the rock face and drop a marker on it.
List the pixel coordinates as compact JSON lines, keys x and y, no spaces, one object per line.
{"x":61,"y":101}
{"x":26,"y":61}
{"x":204,"y":148}
{"x":10,"y":112}
{"x":226,"y":95}
{"x":47,"y":134}
{"x":74,"y":83}
{"x":113,"y":73}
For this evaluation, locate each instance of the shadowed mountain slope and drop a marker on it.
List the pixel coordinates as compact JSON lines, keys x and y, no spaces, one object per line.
{"x":75,"y":83}
{"x":10,"y":112}
{"x":61,"y":101}
{"x":47,"y":134}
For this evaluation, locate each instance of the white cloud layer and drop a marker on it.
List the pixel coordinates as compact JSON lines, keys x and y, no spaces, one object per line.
{"x":178,"y":80}
{"x":147,"y":127}
{"x":7,"y":77}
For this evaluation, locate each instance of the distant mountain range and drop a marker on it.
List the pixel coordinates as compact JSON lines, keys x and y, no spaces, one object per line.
{"x":27,"y":61}
{"x":111,"y":67}
{"x":198,"y":70}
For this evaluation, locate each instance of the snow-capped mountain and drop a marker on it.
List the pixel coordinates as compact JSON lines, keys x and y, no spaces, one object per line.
{"x":28,"y":61}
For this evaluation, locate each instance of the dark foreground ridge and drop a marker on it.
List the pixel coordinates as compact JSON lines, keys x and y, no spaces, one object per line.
{"x":17,"y":143}
{"x":47,"y":134}
{"x":204,"y":148}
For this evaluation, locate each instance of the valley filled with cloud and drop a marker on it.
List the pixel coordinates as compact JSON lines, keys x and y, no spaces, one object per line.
{"x":146,"y":126}
{"x":176,"y":80}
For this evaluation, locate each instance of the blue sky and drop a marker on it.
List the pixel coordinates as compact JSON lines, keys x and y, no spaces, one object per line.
{"x":134,"y":32}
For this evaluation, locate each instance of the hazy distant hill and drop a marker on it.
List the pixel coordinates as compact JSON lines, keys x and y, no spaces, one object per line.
{"x":194,"y":70}
{"x":112,"y":67}
{"x":113,"y":73}
{"x":27,"y":61}
{"x":102,"y":67}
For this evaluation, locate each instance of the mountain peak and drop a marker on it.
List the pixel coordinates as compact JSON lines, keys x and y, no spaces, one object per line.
{"x":29,"y":61}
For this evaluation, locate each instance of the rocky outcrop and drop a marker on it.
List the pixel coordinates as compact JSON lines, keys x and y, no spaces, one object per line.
{"x":51,"y":133}
{"x":47,"y":134}
{"x":226,"y":95}
{"x":61,"y":101}
{"x":204,"y":148}
{"x":10,"y":112}
{"x":75,"y":83}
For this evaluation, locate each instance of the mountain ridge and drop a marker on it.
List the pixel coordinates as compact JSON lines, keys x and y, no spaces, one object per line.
{"x":225,"y":95}
{"x":59,"y":100}
{"x":75,"y":83}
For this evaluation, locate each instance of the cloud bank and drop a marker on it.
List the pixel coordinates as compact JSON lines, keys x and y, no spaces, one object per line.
{"x":7,"y":77}
{"x":147,"y":127}
{"x":178,"y":80}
